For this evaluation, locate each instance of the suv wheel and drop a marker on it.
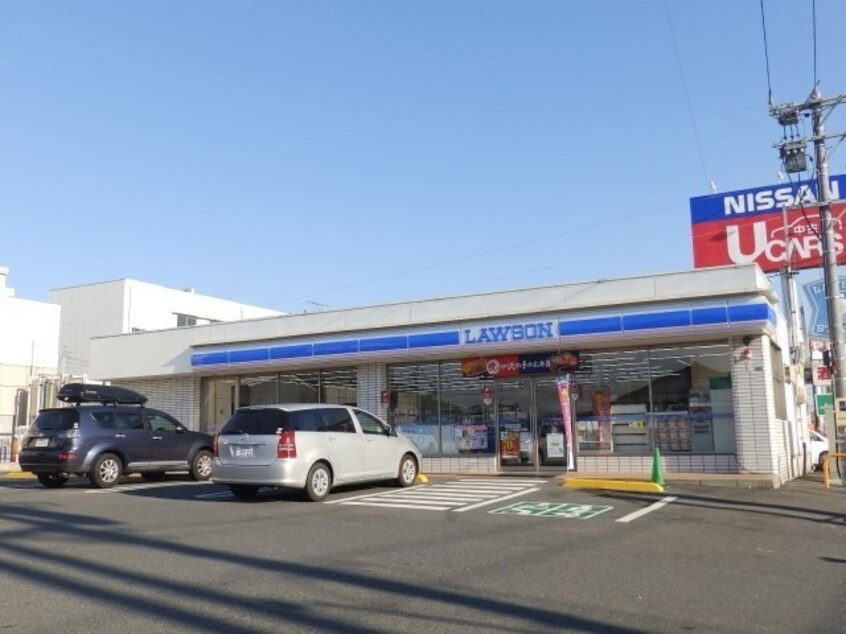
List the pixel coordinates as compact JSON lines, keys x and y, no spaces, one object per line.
{"x":318,"y":482}
{"x":407,"y":471}
{"x":52,"y":480}
{"x":107,"y":471}
{"x":201,"y":465}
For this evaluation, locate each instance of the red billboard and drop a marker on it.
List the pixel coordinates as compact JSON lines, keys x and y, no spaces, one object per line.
{"x":766,"y":225}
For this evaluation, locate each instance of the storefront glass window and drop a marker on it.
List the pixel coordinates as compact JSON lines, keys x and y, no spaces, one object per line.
{"x":675,"y":398}
{"x":323,"y":386}
{"x":258,"y":389}
{"x":440,"y":410}
{"x":299,"y":387}
{"x":691,"y":392}
{"x":218,"y":402}
{"x":467,"y":413}
{"x":627,"y":401}
{"x":613,"y":401}
{"x":339,"y":387}
{"x":413,"y":406}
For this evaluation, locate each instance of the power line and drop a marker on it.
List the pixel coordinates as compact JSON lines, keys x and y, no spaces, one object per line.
{"x":473,"y":256}
{"x":766,"y":57}
{"x":708,"y":180}
{"x":814,"y":20}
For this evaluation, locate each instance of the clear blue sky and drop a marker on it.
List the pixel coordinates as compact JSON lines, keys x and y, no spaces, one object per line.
{"x":305,"y":154}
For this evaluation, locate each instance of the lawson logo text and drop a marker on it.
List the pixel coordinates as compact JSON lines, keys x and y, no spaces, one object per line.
{"x":511,"y":332}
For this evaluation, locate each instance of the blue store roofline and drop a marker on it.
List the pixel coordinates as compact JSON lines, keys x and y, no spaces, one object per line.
{"x":691,"y":321}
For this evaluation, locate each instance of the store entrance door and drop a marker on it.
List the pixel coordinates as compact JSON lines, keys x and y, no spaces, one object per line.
{"x":529,"y":423}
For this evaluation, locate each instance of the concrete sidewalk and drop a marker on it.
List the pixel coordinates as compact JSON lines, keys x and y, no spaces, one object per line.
{"x":12,"y":470}
{"x":737,"y":480}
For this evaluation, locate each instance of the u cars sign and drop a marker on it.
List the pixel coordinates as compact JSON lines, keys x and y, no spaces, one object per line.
{"x":766,"y":225}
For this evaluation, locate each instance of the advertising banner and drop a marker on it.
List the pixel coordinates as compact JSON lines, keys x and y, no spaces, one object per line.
{"x":766,"y":225}
{"x":555,"y":445}
{"x":566,"y":415}
{"x":519,"y":364}
{"x":471,"y":437}
{"x":601,"y":400}
{"x":509,"y":445}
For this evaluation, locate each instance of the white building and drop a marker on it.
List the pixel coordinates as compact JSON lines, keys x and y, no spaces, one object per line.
{"x":29,"y":351}
{"x":694,"y":364}
{"x":127,"y":306}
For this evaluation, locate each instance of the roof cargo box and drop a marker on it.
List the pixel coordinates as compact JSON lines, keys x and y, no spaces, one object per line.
{"x":85,"y":393}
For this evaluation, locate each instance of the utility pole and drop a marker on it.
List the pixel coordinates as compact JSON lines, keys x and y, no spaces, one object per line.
{"x":792,"y":152}
{"x":834,"y":303}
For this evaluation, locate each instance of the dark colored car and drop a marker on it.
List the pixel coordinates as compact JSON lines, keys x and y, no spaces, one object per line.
{"x":107,"y":432}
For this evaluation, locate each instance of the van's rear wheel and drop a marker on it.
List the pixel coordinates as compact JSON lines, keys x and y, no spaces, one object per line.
{"x":319,"y":482}
{"x":407,"y":471}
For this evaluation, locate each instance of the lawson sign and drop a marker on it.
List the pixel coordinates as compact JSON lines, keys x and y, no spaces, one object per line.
{"x":766,"y":225}
{"x":512,"y":332}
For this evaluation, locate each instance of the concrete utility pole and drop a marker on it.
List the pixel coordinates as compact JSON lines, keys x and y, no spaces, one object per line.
{"x":834,"y":303}
{"x":792,"y":152}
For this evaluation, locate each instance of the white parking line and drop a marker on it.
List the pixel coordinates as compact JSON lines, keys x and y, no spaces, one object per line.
{"x":474,"y":490}
{"x":450,"y":494}
{"x":457,"y":495}
{"x":652,"y":507}
{"x":496,"y":482}
{"x":372,"y":495}
{"x":423,"y":507}
{"x":499,"y":499}
{"x":129,"y":488}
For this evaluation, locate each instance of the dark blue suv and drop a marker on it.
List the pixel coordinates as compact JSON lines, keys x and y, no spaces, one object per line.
{"x":108,"y":432}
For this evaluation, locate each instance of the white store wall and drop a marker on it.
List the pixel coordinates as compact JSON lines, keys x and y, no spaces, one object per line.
{"x":159,"y":362}
{"x":125,"y":306}
{"x":29,"y":337}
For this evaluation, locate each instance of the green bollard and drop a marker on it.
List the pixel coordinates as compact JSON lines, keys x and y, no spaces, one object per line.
{"x":657,"y":467}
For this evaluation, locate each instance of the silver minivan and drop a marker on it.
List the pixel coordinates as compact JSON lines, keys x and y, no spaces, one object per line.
{"x":309,"y":446}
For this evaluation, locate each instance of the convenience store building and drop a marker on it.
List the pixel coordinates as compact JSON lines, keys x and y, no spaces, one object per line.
{"x":692,"y":362}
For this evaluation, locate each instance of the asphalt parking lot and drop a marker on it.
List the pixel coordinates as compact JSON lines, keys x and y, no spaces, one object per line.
{"x":458,"y":554}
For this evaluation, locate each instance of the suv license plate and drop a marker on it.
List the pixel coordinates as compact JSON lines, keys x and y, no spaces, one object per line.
{"x":42,"y":442}
{"x":242,"y":452}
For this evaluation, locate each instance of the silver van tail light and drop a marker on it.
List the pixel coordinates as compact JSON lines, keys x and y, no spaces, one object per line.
{"x":287,"y":447}
{"x":216,"y":440}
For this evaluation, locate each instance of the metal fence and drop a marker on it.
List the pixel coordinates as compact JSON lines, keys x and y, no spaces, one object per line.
{"x":7,"y":429}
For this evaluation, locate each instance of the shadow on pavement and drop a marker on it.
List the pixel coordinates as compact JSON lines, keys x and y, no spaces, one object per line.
{"x":113,"y":583}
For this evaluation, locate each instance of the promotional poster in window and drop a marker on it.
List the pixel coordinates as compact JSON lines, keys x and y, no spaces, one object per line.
{"x":511,"y":365}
